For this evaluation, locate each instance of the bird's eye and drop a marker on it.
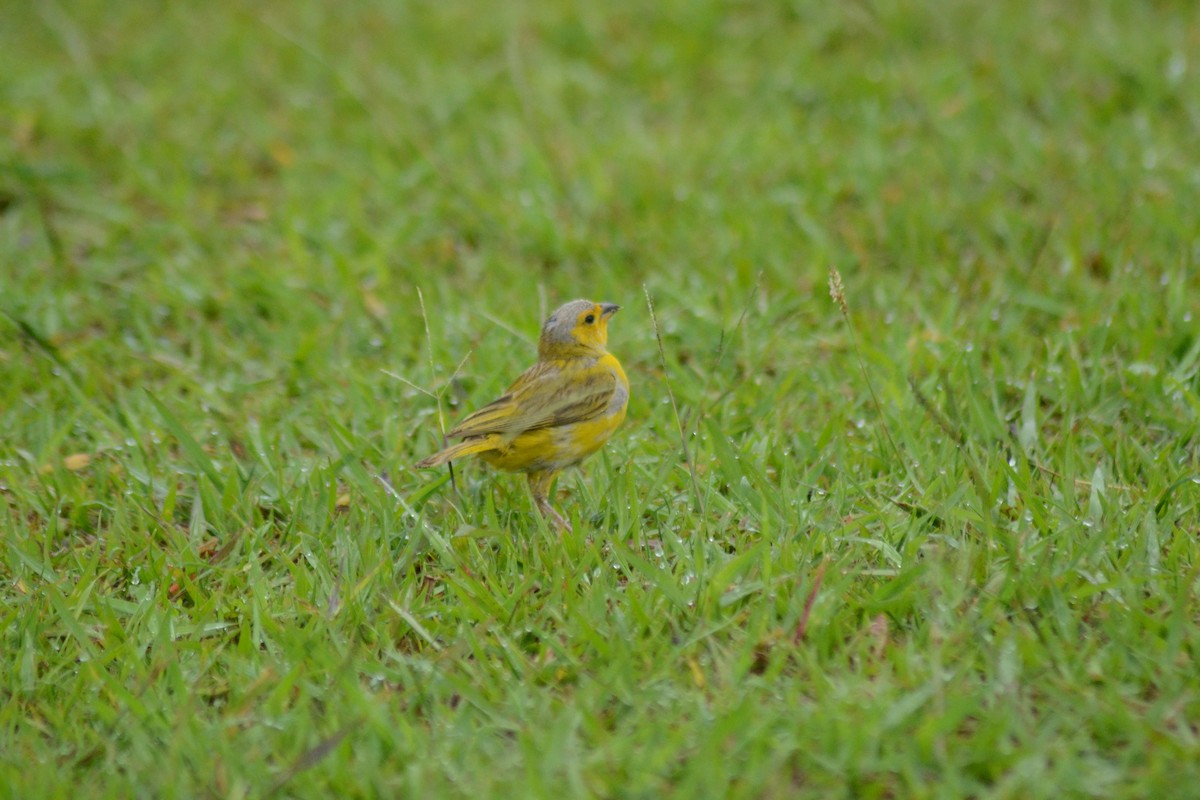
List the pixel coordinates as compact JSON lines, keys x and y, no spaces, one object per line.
{"x":589,"y":319}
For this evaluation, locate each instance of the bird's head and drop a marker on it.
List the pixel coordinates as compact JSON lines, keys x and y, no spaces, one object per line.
{"x":579,"y":328}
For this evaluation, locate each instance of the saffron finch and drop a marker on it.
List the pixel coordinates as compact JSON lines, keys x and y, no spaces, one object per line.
{"x":559,"y":412}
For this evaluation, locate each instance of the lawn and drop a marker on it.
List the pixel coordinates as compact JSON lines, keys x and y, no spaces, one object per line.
{"x":937,"y":536}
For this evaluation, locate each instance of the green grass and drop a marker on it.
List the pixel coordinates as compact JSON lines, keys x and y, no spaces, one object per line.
{"x":947,"y":548}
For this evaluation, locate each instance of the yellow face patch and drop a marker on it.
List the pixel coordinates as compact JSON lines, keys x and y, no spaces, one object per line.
{"x":591,"y":327}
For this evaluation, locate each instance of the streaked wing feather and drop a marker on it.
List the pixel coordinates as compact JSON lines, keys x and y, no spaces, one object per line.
{"x":543,"y":397}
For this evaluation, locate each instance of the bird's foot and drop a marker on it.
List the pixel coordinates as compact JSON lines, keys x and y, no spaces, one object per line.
{"x":551,"y":514}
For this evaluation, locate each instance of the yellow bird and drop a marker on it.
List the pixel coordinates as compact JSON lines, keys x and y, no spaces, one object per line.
{"x":559,"y":412}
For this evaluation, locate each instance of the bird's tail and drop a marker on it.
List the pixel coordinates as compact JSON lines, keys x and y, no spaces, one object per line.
{"x":469,"y":447}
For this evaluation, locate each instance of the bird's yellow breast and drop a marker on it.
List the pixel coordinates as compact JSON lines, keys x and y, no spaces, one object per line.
{"x":566,"y":445}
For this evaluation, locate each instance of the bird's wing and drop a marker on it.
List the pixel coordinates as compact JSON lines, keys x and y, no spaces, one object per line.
{"x":545,"y":396}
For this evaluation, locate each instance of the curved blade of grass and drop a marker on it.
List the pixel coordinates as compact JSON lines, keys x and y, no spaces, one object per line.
{"x":191,"y":447}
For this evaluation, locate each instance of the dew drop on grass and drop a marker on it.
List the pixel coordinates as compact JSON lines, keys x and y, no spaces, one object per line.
{"x":1176,"y":67}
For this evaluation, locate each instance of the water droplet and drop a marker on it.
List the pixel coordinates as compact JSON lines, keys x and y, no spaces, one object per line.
{"x":1176,"y":67}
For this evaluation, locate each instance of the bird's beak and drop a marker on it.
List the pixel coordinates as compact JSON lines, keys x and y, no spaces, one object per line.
{"x":608,"y":309}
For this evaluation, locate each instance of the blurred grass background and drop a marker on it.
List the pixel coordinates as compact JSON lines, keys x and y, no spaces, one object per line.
{"x":946,"y":549}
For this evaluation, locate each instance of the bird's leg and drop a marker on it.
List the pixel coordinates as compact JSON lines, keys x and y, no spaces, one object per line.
{"x":539,"y":487}
{"x":551,"y":513}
